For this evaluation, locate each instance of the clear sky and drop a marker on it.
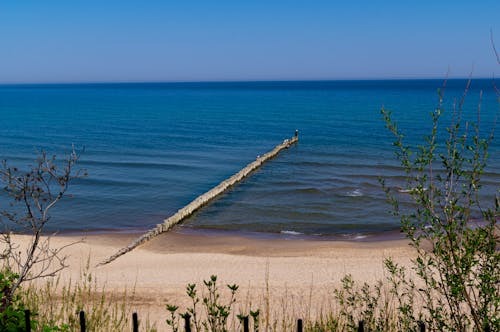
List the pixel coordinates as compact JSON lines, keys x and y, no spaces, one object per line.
{"x":213,"y":40}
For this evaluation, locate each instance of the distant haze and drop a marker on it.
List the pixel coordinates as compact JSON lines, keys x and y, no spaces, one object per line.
{"x":130,"y":41}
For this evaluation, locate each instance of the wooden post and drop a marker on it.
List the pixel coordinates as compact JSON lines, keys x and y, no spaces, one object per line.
{"x":82,"y":322}
{"x":203,"y":200}
{"x":246,"y":328}
{"x":187,"y":322}
{"x":27,"y":320}
{"x":361,"y":326}
{"x":299,"y":325}
{"x":135,"y":322}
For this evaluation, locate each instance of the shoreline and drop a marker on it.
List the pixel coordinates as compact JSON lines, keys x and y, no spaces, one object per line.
{"x":181,"y":240}
{"x":388,"y":235}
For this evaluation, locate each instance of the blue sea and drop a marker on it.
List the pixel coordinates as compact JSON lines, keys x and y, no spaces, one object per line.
{"x":151,"y":148}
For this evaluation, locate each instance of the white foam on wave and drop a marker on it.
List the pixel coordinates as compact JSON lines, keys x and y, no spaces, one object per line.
{"x":355,"y":193}
{"x":354,"y":236}
{"x":290,"y":232}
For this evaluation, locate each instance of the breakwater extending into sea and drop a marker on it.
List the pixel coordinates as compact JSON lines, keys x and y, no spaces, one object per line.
{"x":152,"y":148}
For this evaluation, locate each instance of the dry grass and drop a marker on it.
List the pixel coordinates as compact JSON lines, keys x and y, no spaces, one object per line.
{"x":58,"y":304}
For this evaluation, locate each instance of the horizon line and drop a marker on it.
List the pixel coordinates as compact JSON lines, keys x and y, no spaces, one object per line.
{"x":240,"y":81}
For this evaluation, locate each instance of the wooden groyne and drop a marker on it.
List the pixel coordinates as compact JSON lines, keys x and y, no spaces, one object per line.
{"x":203,"y":199}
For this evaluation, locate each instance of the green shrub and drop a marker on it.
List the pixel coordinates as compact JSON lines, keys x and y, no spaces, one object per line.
{"x":213,"y":314}
{"x":11,"y":306}
{"x":457,"y":264}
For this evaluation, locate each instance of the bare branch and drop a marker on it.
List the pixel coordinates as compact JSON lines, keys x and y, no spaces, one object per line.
{"x":35,"y":192}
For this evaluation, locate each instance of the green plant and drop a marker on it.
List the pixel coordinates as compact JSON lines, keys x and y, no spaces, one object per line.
{"x":193,"y":295}
{"x":216,"y":312}
{"x":255,"y":318}
{"x":361,"y":303}
{"x":403,"y":291}
{"x":173,"y":321}
{"x":12,"y":312}
{"x":11,"y":306}
{"x":457,"y":262}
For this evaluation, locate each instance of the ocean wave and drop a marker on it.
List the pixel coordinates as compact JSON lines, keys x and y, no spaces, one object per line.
{"x":291,"y":232}
{"x":355,"y":193}
{"x":142,"y":165}
{"x":355,"y":236}
{"x":309,"y":190}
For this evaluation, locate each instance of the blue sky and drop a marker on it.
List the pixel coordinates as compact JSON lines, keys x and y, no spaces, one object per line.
{"x":120,"y":40}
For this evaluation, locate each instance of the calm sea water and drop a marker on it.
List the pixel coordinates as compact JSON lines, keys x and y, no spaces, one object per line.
{"x":152,"y":148}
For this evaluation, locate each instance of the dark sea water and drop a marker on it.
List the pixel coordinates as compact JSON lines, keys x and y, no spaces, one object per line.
{"x":152,"y":148}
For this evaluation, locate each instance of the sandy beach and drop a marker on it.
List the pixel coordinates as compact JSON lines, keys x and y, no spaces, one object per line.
{"x":299,"y":274}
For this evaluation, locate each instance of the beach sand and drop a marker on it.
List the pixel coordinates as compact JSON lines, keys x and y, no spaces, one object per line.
{"x":297,"y":274}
